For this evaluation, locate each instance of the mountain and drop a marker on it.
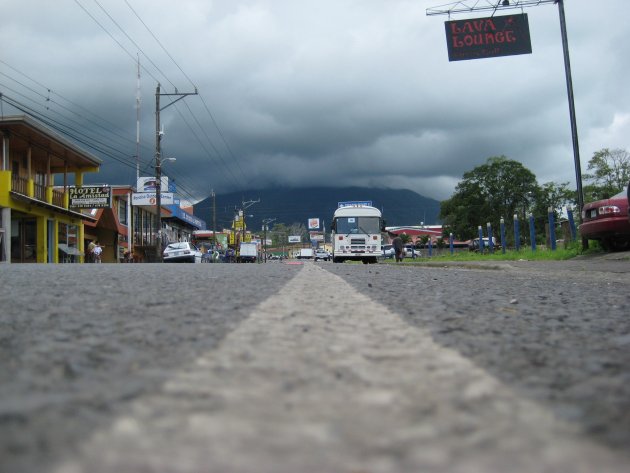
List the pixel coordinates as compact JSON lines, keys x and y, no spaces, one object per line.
{"x":288,"y":205}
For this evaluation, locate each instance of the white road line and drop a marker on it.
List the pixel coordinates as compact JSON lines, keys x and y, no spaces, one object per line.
{"x":322,"y":379}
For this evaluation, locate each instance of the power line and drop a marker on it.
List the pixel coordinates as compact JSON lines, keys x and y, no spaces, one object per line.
{"x":75,"y":122}
{"x":160,"y":44}
{"x":200,"y":95}
{"x":49,"y":99}
{"x":63,"y":129}
{"x":133,"y":42}
{"x":236,"y":181}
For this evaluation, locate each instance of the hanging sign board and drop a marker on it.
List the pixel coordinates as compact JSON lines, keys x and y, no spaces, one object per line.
{"x":90,"y":197}
{"x":488,"y":37}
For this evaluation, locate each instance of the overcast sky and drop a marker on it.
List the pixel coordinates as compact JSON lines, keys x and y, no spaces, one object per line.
{"x":328,"y":92}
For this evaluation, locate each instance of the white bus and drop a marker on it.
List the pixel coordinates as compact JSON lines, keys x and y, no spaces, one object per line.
{"x":356,"y":232}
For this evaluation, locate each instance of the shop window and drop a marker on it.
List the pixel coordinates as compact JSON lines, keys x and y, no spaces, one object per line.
{"x":68,"y":243}
{"x":122,"y":211}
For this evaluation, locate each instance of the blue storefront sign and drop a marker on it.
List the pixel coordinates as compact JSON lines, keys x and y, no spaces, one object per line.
{"x":190,"y":219}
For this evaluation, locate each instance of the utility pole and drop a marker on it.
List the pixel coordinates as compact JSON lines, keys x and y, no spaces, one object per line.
{"x":214,"y":218}
{"x":245,"y":206}
{"x":138,"y":124}
{"x":158,"y":165}
{"x":266,"y":223}
{"x":574,"y":131}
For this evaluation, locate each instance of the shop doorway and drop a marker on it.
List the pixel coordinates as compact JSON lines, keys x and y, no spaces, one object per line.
{"x":51,"y":241}
{"x":23,"y":240}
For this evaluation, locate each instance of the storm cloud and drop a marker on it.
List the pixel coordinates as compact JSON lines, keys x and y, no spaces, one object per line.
{"x":333,"y":92}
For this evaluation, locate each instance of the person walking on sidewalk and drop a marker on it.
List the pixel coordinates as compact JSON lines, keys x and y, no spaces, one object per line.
{"x":398,"y":245}
{"x":96,"y":252}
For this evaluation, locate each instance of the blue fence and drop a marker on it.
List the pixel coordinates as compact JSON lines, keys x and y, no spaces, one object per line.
{"x":517,"y":232}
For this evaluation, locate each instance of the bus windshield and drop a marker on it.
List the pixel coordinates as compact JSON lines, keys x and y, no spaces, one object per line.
{"x":368,"y":225}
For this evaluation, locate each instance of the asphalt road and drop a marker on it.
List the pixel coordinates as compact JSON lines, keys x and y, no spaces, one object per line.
{"x":321,"y":367}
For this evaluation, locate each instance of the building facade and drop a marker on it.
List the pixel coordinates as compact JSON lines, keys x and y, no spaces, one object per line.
{"x":36,"y":223}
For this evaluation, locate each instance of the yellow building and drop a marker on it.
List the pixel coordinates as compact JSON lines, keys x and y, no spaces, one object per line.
{"x":36,"y":223}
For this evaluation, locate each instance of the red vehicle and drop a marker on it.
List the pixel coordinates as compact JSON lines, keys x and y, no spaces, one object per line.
{"x":607,"y":220}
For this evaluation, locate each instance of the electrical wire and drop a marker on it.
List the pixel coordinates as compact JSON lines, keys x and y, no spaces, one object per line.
{"x":154,"y":36}
{"x":101,"y":140}
{"x":193,"y":84}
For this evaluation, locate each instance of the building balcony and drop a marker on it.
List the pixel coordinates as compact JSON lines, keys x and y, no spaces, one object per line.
{"x":46,"y":194}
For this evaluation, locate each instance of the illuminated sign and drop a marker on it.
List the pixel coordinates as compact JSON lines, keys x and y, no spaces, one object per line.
{"x":488,"y":37}
{"x":313,"y":223}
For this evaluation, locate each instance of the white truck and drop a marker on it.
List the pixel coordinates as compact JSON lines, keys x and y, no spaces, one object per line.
{"x":248,"y":252}
{"x":306,"y":253}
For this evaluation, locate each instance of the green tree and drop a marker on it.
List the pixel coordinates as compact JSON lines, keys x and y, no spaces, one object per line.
{"x":551,"y":195}
{"x":499,"y":188}
{"x":609,"y":173}
{"x":280,"y":232}
{"x":423,"y":241}
{"x":554,"y":195}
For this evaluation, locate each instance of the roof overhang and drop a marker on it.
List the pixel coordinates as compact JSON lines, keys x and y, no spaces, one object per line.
{"x":25,"y":132}
{"x":55,"y":208}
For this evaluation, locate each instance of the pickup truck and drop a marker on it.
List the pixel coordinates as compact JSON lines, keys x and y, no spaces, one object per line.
{"x":321,"y":254}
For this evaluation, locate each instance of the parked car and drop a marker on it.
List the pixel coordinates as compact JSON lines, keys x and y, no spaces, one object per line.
{"x":411,"y":252}
{"x":387,"y":251}
{"x":607,"y":221}
{"x":321,"y":254}
{"x":474,"y":244}
{"x":181,"y":252}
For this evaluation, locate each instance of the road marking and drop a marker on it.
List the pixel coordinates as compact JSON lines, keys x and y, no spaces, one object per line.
{"x":322,"y":379}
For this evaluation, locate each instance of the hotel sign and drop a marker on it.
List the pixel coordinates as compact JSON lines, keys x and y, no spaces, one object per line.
{"x":90,"y":197}
{"x":488,"y":37}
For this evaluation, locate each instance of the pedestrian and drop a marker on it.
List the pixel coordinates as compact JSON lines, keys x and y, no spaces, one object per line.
{"x":398,"y":245}
{"x":97,"y":252}
{"x":90,"y":252}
